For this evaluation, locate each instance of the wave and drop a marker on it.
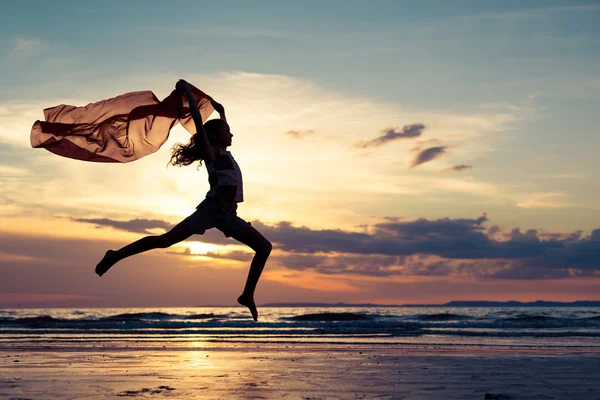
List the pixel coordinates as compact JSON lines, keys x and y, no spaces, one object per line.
{"x":332,"y":317}
{"x":137,"y":316}
{"x":513,"y":333}
{"x":533,"y":318}
{"x":147,"y":319}
{"x":39,"y":321}
{"x":372,"y":321}
{"x":442,"y":317}
{"x":154,"y":316}
{"x":201,"y":316}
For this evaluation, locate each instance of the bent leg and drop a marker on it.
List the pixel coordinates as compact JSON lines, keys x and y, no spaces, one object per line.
{"x":177,"y":234}
{"x":257,"y":242}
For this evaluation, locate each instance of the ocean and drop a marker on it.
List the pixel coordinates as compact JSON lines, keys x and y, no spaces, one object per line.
{"x":510,"y":327}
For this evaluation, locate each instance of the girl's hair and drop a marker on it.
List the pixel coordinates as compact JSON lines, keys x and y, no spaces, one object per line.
{"x":185,"y":154}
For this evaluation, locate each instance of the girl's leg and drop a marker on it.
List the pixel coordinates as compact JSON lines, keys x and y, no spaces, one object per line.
{"x":252,"y":238}
{"x":179,"y":233}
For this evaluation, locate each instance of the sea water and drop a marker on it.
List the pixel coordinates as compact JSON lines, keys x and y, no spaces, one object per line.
{"x":529,"y":327}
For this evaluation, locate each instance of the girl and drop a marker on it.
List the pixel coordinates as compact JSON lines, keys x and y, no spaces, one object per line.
{"x":218,"y":210}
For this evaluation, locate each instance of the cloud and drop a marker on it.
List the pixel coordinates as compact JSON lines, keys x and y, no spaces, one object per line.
{"x":524,"y":256}
{"x":569,"y":256}
{"x":532,"y":12}
{"x":27,"y":47}
{"x":389,"y":135}
{"x":441,"y":247}
{"x":234,"y":32}
{"x":25,"y":298}
{"x":542,"y":200}
{"x":148,"y":227}
{"x":230,"y":255}
{"x":300,"y":134}
{"x":272,"y":190}
{"x":458,"y":168}
{"x":371,"y":265}
{"x":427,"y":155}
{"x":134,"y":225}
{"x":455,"y":242}
{"x":58,"y":272}
{"x":542,"y":158}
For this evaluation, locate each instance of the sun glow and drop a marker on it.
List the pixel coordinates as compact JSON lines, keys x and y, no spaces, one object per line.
{"x":199,"y":359}
{"x":201,"y":248}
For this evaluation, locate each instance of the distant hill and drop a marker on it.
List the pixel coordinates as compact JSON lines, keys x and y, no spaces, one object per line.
{"x":326,"y":305}
{"x":539,"y":303}
{"x":475,"y":303}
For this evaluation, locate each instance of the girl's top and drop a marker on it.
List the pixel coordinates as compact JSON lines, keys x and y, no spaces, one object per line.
{"x":225,"y":178}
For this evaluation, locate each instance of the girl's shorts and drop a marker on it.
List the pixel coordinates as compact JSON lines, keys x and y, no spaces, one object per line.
{"x":212,"y":213}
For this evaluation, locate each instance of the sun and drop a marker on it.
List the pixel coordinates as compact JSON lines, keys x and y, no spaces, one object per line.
{"x":201,"y":248}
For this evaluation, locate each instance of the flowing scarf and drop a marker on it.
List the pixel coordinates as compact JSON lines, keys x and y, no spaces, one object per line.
{"x":122,"y":129}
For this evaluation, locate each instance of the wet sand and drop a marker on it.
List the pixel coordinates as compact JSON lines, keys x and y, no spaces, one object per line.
{"x":298,"y":372}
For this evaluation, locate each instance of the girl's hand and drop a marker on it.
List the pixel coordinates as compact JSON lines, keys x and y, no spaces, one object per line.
{"x":182,"y":85}
{"x":218,"y":107}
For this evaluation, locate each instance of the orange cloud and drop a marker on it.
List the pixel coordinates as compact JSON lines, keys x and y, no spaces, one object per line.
{"x":25,"y":298}
{"x":310,"y":280}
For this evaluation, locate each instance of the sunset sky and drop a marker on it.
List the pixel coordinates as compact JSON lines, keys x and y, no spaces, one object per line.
{"x":393,"y":151}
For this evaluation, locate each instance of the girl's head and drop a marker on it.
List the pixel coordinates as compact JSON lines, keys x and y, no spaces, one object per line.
{"x":218,"y":134}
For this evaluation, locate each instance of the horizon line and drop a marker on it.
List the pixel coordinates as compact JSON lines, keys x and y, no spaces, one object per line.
{"x":319,"y":304}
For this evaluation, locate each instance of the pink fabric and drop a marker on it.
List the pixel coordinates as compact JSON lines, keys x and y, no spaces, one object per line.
{"x":122,"y":129}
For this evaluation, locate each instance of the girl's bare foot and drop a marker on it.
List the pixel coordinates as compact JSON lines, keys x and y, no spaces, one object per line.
{"x":248,"y":301}
{"x":108,"y":261}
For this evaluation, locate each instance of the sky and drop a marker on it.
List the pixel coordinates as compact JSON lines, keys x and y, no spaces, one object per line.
{"x":393,"y":152}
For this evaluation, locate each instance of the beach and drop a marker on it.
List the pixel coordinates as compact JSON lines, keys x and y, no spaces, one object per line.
{"x":300,"y":353}
{"x":299,"y":372}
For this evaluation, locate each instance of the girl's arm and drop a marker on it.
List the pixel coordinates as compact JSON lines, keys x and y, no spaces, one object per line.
{"x":207,"y":150}
{"x":219,"y":108}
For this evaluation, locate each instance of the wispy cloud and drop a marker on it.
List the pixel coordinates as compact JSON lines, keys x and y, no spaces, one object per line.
{"x":389,"y":135}
{"x":299,"y":134}
{"x":563,"y":176}
{"x":134,"y":225}
{"x":534,"y":12}
{"x":458,"y":168}
{"x":27,"y":47}
{"x":543,"y":200}
{"x":235,"y":32}
{"x":427,"y":155}
{"x":542,"y":158}
{"x":27,"y":298}
{"x":168,"y":194}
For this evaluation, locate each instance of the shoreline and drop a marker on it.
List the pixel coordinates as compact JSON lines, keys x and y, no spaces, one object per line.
{"x":298,"y":371}
{"x":425,"y":349}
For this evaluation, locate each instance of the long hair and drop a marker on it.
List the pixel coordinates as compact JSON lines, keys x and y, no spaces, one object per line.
{"x":186,"y":154}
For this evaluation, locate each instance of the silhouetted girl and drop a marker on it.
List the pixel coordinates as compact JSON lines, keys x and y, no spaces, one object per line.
{"x":218,"y":210}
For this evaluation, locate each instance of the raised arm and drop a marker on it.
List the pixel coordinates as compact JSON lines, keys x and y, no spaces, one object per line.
{"x":207,"y":151}
{"x":219,"y":108}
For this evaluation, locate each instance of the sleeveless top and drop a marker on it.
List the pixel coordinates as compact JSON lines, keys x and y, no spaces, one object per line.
{"x":225,"y":178}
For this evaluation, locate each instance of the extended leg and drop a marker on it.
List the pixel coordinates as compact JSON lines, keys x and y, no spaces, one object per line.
{"x":179,"y":233}
{"x":252,"y":238}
